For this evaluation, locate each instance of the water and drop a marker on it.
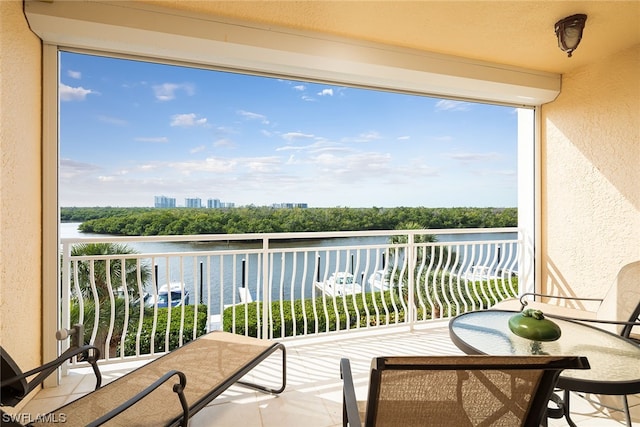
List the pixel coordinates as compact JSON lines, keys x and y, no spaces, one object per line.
{"x":215,"y":278}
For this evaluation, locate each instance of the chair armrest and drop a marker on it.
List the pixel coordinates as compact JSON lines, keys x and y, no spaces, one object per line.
{"x":178,"y":388}
{"x":350,"y":414}
{"x":90,"y":353}
{"x":625,"y":332}
{"x":535,"y":294}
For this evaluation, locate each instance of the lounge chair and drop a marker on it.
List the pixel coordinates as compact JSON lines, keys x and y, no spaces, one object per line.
{"x":455,"y":391}
{"x":617,"y":312}
{"x":14,"y":385}
{"x":170,"y":389}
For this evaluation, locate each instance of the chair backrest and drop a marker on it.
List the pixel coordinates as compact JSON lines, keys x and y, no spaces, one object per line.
{"x":13,"y":392}
{"x":460,"y":391}
{"x":622,"y":301}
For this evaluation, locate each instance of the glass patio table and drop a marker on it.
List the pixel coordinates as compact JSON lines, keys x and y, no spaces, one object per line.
{"x":614,"y":360}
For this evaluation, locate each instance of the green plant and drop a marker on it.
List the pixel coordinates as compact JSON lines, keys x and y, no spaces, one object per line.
{"x":445,"y":295}
{"x":389,"y":307}
{"x":320,"y":313}
{"x":104,"y":321}
{"x":161,"y":336}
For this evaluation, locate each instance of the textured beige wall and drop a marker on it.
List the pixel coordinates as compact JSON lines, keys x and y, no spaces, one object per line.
{"x":20,"y":187}
{"x":591,"y":176}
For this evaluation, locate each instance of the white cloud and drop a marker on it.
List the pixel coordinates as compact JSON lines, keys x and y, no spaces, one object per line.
{"x":450,"y":105}
{"x":317,"y":147}
{"x":167,"y":91}
{"x":473,"y":157}
{"x":263,"y":164}
{"x":70,"y":169}
{"x":74,"y":74}
{"x":404,"y":138}
{"x":225,"y":130}
{"x":224,"y":142}
{"x":308,"y":98}
{"x":68,"y":93}
{"x":300,"y":88}
{"x":295,"y":136}
{"x":197,"y":149}
{"x":187,"y":120}
{"x":292,"y":147}
{"x":419,"y":169}
{"x":253,"y":116}
{"x":148,"y":167}
{"x":154,"y":139}
{"x":210,"y":164}
{"x":326,"y":92}
{"x":490,"y":172}
{"x":113,"y":120}
{"x":364,"y":137}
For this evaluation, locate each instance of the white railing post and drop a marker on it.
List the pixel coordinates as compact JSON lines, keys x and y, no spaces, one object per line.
{"x":411,"y":312}
{"x":65,"y":297}
{"x":266,"y":295}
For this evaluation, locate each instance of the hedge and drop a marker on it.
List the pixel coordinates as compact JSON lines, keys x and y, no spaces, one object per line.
{"x":147,"y":325}
{"x":351,"y":312}
{"x":161,"y":329}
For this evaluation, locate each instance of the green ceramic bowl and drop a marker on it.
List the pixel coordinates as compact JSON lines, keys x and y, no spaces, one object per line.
{"x":531,"y":324}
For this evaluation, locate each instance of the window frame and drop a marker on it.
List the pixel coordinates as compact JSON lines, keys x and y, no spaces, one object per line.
{"x":76,"y":27}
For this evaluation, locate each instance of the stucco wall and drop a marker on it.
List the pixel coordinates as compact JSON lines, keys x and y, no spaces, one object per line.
{"x":20,"y":187}
{"x":591,"y":176}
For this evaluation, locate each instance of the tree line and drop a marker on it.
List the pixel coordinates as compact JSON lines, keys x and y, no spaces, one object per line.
{"x":184,"y":221}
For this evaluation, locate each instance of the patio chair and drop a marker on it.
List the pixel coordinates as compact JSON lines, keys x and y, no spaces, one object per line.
{"x":169,"y":390}
{"x":617,"y":312}
{"x":455,"y":391}
{"x":13,"y":383}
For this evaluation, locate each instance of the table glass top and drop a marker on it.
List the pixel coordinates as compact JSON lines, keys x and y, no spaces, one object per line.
{"x":611,"y":357}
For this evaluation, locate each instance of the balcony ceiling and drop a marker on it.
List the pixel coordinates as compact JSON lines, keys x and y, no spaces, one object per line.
{"x":516,"y":33}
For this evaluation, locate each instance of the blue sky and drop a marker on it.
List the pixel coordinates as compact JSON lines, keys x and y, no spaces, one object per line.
{"x":131,"y":130}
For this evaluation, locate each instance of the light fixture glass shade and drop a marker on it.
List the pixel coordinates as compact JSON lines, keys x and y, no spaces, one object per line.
{"x":569,"y":32}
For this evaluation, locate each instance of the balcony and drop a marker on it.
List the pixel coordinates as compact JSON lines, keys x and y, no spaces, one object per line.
{"x":313,"y":393}
{"x":587,"y":135}
{"x":414,"y":283}
{"x":279,"y":285}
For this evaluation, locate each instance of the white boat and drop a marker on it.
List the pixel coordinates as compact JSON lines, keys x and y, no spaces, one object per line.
{"x":379,"y":281}
{"x":478,"y":273}
{"x":173,"y":291}
{"x":339,"y":284}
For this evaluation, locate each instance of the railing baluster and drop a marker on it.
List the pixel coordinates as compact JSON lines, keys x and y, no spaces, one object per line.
{"x":140,"y":306}
{"x":96,"y":302}
{"x":292,"y":291}
{"x":154,"y":325}
{"x":125,"y":290}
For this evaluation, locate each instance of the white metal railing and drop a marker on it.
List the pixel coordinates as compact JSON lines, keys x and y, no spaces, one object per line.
{"x":278,"y":285}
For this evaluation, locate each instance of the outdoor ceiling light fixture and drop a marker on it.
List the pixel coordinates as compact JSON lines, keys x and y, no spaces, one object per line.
{"x":569,"y":32}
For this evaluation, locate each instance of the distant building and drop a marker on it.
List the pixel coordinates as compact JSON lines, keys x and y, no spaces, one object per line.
{"x":228,"y":205}
{"x":214,"y":204}
{"x":164,"y":202}
{"x":290,"y":205}
{"x":193,"y":202}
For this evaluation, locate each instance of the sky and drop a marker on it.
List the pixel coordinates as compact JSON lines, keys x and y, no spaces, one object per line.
{"x":133,"y":130}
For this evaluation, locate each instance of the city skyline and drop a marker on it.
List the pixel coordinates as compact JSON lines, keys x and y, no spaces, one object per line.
{"x":163,"y":201}
{"x":132,"y":130}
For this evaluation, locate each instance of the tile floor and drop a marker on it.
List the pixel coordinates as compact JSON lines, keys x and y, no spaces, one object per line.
{"x":313,"y":396}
